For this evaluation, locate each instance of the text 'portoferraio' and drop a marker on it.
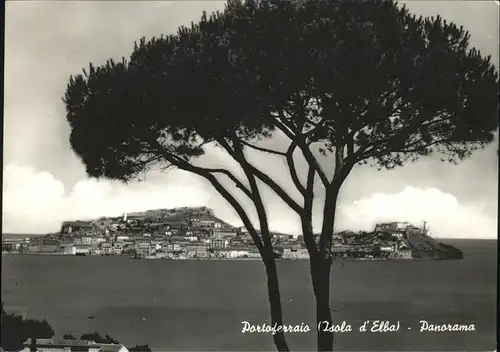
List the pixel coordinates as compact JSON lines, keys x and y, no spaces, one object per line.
{"x":366,"y":326}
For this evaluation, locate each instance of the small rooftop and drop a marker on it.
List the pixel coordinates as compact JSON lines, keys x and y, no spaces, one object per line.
{"x":61,"y":343}
{"x":112,"y":348}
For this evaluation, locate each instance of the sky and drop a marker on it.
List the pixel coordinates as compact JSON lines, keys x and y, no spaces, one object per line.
{"x":44,"y":183}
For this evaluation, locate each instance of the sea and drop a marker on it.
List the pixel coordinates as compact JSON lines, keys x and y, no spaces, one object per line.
{"x":201,"y":305}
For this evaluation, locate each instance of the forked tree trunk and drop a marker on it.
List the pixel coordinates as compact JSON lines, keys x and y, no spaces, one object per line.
{"x":275,"y":301}
{"x":320,"y":274}
{"x":267,"y":253}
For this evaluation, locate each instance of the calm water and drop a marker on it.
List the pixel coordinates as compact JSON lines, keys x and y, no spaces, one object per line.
{"x":199,"y":305}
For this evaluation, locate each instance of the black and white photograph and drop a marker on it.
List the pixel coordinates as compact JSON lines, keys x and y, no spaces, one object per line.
{"x":250,"y":175}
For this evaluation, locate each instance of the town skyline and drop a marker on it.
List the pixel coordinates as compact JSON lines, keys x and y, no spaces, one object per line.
{"x":45,"y":183}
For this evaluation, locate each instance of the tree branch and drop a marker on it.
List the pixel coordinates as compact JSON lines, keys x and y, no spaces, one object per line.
{"x":183,"y":165}
{"x":226,"y":172}
{"x":289,"y":159}
{"x":350,"y":145}
{"x":311,"y":160}
{"x":292,"y":169}
{"x":270,"y":151}
{"x":306,"y":217}
{"x":277,"y":189}
{"x":240,"y":158}
{"x":283,"y":127}
{"x":365,"y":152}
{"x":238,"y":183}
{"x":237,"y":153}
{"x":311,"y":134}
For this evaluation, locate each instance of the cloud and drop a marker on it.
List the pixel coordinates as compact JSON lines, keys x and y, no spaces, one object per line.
{"x":36,"y":202}
{"x":446,"y":217}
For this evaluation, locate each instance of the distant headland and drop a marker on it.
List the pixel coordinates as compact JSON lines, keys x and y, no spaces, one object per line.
{"x":196,"y":233}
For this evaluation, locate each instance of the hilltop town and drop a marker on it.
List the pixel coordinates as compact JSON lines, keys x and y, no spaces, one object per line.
{"x":196,"y":233}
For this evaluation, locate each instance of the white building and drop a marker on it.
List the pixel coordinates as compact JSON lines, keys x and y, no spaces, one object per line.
{"x":295,"y":254}
{"x":232,"y":253}
{"x":82,"y":249}
{"x":69,"y":250}
{"x":402,"y":225}
{"x":86,"y":240}
{"x":386,"y":248}
{"x":426,"y":229}
{"x":91,"y":240}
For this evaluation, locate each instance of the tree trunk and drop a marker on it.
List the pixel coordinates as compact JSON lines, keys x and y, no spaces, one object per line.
{"x":33,"y":344}
{"x":275,"y":302}
{"x":321,"y":264}
{"x":320,"y":274}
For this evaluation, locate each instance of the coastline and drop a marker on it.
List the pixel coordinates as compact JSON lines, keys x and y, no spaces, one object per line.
{"x":190,"y":241}
{"x":225,"y":259}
